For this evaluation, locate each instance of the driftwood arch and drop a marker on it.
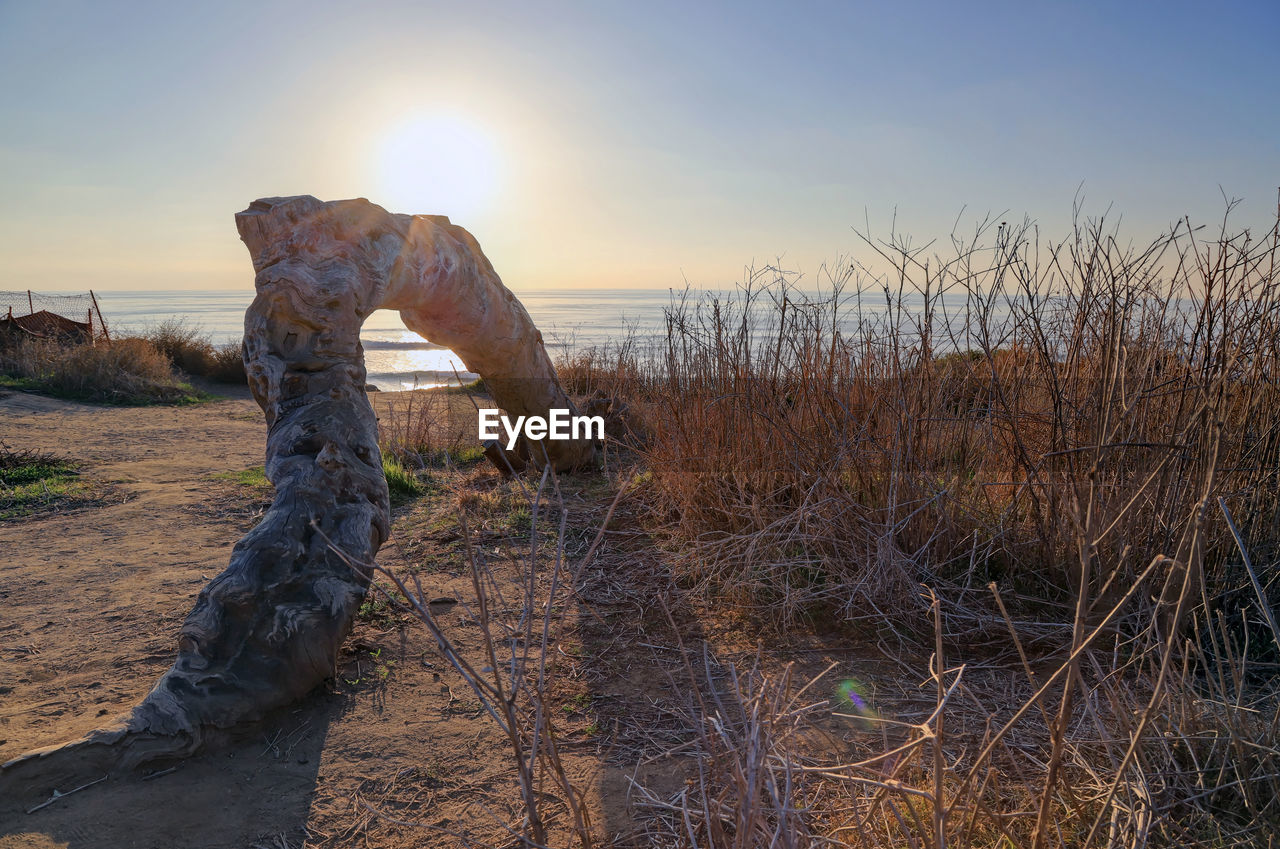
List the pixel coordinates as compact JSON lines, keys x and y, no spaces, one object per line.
{"x":268,"y":629}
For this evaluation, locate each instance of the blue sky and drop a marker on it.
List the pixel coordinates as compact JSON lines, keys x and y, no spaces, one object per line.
{"x":630,"y":144}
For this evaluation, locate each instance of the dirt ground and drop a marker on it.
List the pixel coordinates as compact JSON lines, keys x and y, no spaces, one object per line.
{"x":393,"y":752}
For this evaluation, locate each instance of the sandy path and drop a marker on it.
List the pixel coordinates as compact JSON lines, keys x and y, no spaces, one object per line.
{"x":90,"y":603}
{"x":121,"y":575}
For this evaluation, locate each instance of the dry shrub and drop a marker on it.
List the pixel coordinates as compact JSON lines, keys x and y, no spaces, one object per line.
{"x":227,"y":364}
{"x":752,"y":788}
{"x":190,"y":349}
{"x":1142,"y":759}
{"x":974,"y":418}
{"x":427,"y":427}
{"x":186,"y":346}
{"x":512,"y":673}
{"x":1070,"y":430}
{"x":619,"y":369}
{"x":123,"y":371}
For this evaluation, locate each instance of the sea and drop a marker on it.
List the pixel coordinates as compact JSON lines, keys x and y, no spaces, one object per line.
{"x":396,"y":357}
{"x":570,"y":320}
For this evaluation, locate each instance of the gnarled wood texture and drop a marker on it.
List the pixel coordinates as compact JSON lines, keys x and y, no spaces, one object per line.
{"x":268,"y":629}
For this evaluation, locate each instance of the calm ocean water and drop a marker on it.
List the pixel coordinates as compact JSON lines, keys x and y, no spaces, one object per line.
{"x":396,"y":357}
{"x":570,"y":319}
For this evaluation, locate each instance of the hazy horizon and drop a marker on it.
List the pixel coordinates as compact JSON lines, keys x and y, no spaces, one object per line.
{"x":618,"y":145}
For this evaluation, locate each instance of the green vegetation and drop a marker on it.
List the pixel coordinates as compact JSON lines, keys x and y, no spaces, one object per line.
{"x":519,"y":520}
{"x":466,"y":455}
{"x":457,"y":456}
{"x":403,"y":483}
{"x":382,"y":666}
{"x":31,"y":482}
{"x":474,"y":387}
{"x":254,"y":476}
{"x":27,"y":384}
{"x":377,"y":610}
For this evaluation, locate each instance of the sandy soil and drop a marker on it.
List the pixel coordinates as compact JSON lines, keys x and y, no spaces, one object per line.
{"x":90,"y":601}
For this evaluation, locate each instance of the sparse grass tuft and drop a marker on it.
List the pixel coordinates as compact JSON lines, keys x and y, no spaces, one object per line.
{"x":378,"y":610}
{"x":255,"y":476}
{"x":32,"y":481}
{"x":466,"y":455}
{"x":403,"y":483}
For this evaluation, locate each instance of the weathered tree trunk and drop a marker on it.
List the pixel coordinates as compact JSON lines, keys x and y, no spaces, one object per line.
{"x":268,"y":629}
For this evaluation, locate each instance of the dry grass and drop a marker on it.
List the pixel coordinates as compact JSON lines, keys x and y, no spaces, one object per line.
{"x":123,"y":371}
{"x":1147,"y":753}
{"x":512,"y":673}
{"x":191,"y":350}
{"x":227,"y":364}
{"x":1050,"y":474}
{"x":974,"y":419}
{"x":1138,"y":765}
{"x":427,"y":428}
{"x":1054,"y":439}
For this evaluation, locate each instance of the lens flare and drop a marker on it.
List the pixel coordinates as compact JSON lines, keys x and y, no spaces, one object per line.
{"x":852,"y":695}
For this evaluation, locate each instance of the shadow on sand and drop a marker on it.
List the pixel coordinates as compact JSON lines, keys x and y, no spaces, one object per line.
{"x":250,"y":790}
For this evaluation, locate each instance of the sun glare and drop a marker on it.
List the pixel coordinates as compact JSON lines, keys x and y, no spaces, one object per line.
{"x":438,"y":165}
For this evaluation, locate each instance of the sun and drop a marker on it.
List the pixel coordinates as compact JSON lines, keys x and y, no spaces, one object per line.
{"x":438,"y":164}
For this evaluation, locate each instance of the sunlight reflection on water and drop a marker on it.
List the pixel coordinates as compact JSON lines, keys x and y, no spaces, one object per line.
{"x":403,"y":360}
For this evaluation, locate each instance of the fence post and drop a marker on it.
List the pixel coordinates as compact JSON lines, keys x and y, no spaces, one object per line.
{"x":101,"y":321}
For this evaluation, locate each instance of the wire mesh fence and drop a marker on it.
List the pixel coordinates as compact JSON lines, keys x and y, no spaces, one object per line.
{"x":52,"y":316}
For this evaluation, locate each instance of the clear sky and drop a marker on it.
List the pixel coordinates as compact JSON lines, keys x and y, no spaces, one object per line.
{"x":636,"y":144}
